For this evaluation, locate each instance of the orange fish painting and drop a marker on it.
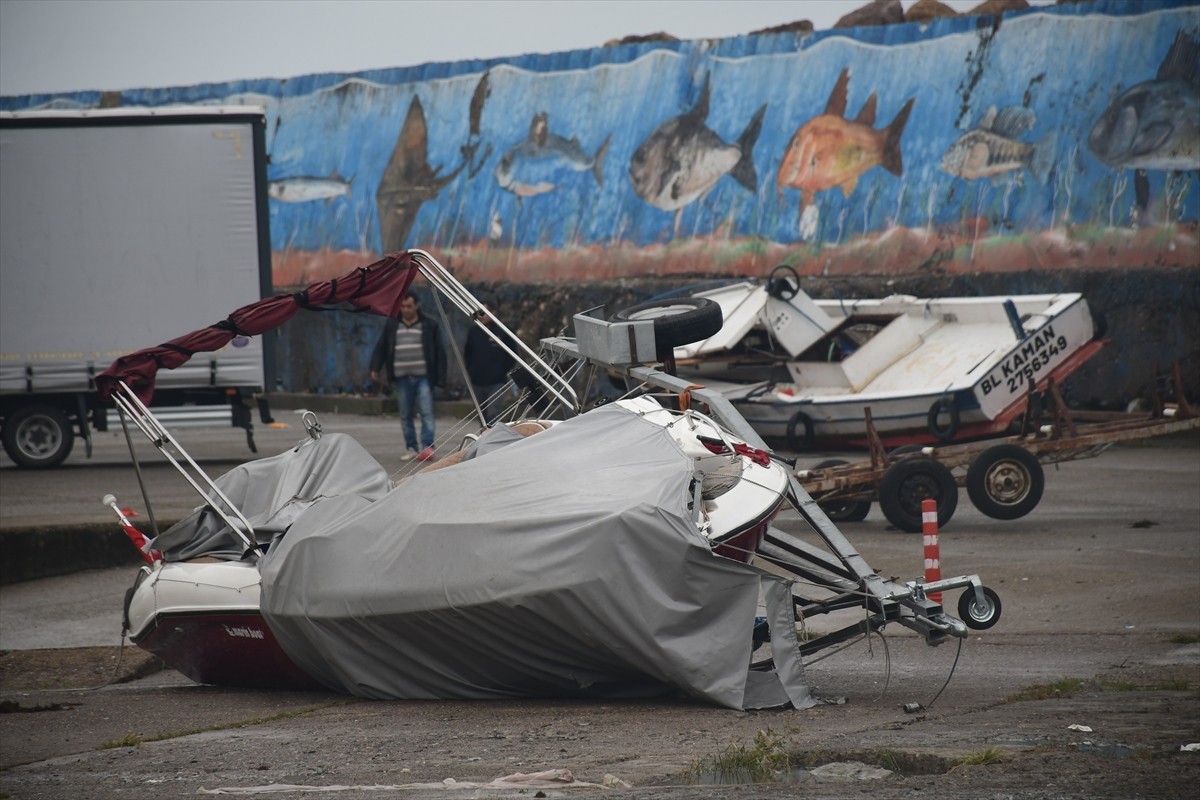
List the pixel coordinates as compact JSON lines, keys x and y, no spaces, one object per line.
{"x":830,"y":150}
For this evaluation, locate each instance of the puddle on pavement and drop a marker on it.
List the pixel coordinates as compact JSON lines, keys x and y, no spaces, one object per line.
{"x":1095,"y":748}
{"x":857,"y":765}
{"x":1110,"y":750}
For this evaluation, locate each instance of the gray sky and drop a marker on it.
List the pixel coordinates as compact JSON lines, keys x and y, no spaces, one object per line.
{"x":76,"y":45}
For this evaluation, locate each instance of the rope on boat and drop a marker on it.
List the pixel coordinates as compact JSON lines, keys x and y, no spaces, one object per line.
{"x":112,"y":676}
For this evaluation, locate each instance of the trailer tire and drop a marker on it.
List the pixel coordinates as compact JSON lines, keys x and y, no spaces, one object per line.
{"x":947,"y":432}
{"x":677,"y":321}
{"x":843,"y":510}
{"x":1005,"y":481}
{"x":909,"y":481}
{"x":38,"y":436}
{"x":979,"y":616}
{"x":800,"y":441}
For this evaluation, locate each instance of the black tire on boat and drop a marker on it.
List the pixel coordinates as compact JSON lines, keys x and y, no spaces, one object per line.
{"x":677,"y":321}
{"x":909,"y":481}
{"x":1005,"y":481}
{"x":800,"y":431}
{"x":943,"y":433}
{"x":843,"y":510}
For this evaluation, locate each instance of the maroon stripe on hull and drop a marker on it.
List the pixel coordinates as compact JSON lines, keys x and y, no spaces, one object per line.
{"x":226,"y":650}
{"x":740,"y":545}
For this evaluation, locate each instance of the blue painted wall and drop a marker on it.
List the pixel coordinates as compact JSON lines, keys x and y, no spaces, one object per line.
{"x":1060,"y":66}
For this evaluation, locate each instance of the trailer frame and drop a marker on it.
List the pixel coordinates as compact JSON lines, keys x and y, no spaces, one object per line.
{"x":1003,"y":475}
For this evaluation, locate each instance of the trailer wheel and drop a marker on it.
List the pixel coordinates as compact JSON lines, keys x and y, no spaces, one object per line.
{"x":38,"y":437}
{"x":945,"y":406}
{"x":677,"y":321}
{"x":800,"y":431}
{"x":1005,"y":481}
{"x":843,"y":510}
{"x":909,"y":481}
{"x":979,"y":616}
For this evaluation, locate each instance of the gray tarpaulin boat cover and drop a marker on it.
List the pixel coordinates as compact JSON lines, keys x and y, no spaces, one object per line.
{"x":563,"y":564}
{"x":272,"y":492}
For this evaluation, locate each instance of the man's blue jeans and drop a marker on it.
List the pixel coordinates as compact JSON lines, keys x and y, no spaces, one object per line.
{"x":414,"y":394}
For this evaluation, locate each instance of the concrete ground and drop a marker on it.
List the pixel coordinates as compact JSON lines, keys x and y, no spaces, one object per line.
{"x":1100,"y":584}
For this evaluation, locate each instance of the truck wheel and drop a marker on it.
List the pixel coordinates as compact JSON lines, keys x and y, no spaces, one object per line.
{"x":843,"y":510}
{"x":909,"y":481}
{"x":38,"y":437}
{"x":677,"y":321}
{"x":1005,"y":481}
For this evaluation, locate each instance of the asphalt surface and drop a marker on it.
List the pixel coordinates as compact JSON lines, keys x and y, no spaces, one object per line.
{"x":71,"y":494}
{"x":1104,"y":575}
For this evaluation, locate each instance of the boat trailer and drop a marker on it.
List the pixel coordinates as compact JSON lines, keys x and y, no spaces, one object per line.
{"x":827,"y":576}
{"x":1003,"y":476}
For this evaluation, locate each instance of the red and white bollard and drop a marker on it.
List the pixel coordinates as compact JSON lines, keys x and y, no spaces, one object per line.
{"x":933,"y":558}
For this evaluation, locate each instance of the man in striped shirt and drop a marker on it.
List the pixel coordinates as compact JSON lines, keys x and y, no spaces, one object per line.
{"x":410,"y":353}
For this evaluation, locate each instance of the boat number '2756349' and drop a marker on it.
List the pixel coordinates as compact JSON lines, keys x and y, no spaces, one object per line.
{"x":1039,"y":352}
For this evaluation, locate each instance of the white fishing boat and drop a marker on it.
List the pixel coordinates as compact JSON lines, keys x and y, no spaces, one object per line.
{"x":929,"y":369}
{"x":607,"y":554}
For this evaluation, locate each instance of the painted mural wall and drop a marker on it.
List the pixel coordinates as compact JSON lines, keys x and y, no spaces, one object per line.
{"x":1060,"y":123}
{"x":1060,"y":137}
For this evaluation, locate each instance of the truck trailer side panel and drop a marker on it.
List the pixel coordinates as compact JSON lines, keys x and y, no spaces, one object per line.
{"x":123,"y":230}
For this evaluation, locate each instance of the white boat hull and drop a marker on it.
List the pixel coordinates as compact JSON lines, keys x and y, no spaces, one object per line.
{"x":937,"y":369}
{"x":203,"y":619}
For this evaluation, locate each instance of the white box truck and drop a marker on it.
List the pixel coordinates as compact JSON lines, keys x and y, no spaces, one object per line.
{"x":122,"y":229}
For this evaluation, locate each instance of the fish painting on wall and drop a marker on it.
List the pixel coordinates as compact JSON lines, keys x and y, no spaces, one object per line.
{"x":831,"y":151}
{"x":654,"y":151}
{"x":409,"y":180}
{"x":305,"y":188}
{"x":1155,"y":125}
{"x":531,"y":167}
{"x":992,"y":149}
{"x":683,"y":158}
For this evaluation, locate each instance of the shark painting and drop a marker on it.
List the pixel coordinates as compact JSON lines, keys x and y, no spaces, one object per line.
{"x":528,"y":168}
{"x":409,"y":180}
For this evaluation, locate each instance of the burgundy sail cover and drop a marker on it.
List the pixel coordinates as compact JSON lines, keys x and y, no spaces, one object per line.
{"x":377,"y":289}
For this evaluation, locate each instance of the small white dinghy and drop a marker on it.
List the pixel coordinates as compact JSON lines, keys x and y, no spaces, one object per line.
{"x":929,"y":369}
